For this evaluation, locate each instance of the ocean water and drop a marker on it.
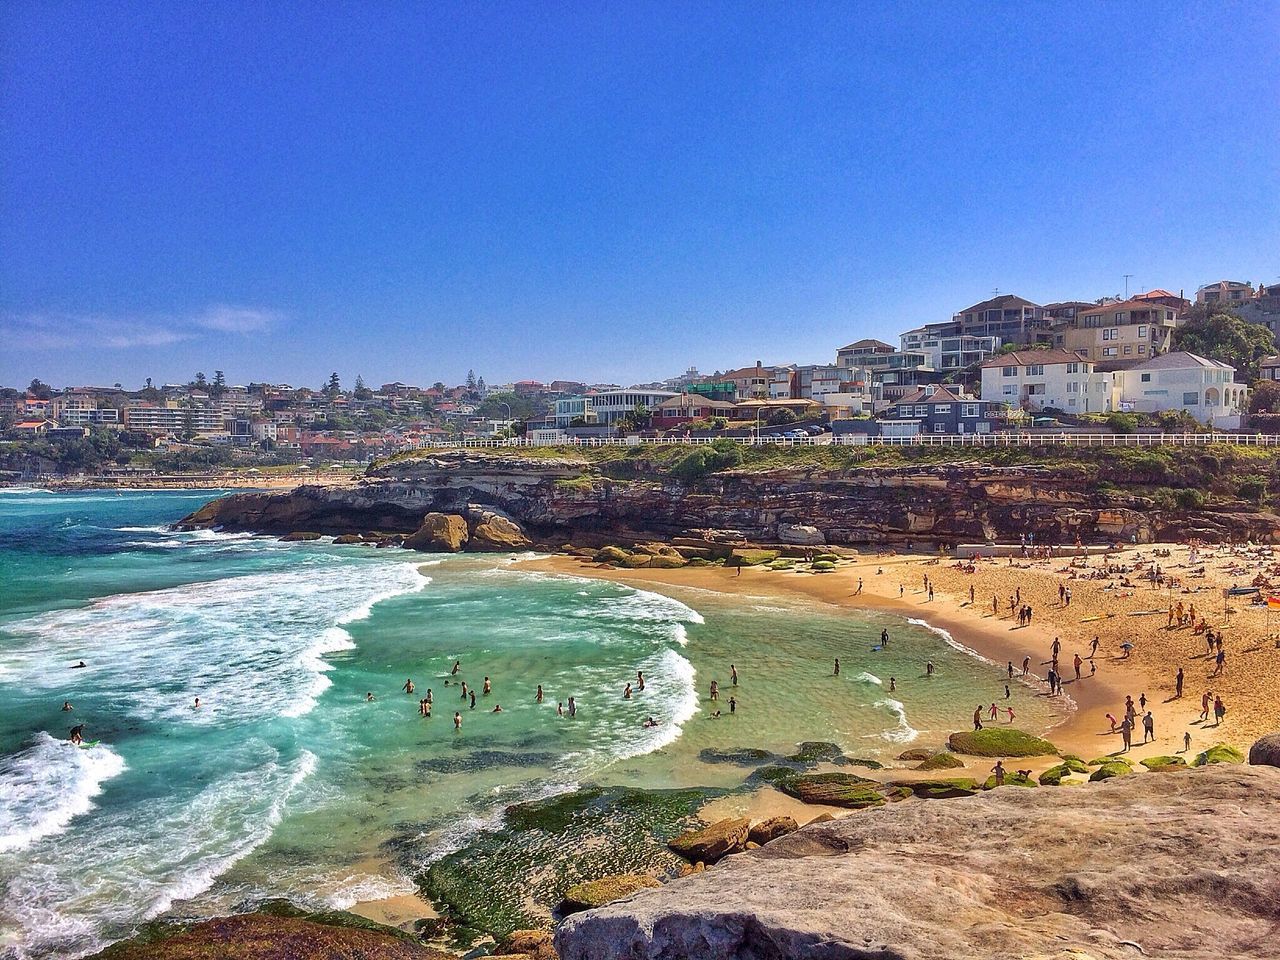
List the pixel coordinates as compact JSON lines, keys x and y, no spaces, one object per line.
{"x":287,"y":781}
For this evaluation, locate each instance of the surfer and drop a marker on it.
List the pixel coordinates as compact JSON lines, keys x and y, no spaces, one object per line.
{"x":79,"y":666}
{"x":457,"y":665}
{"x":408,"y":686}
{"x":77,"y":734}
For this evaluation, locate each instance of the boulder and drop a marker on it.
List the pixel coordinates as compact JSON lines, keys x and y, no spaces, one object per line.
{"x":1161,"y":764}
{"x":439,"y":532}
{"x":534,"y":944}
{"x":837,"y":790}
{"x":1140,"y":866}
{"x":916,"y":753}
{"x":800,"y":534}
{"x":771,"y":829}
{"x":1000,"y":742}
{"x":596,"y":893}
{"x":1011,"y":779}
{"x":299,"y":536}
{"x":941,"y":761}
{"x":348,"y":538}
{"x":610,"y":554}
{"x":1219,"y":753}
{"x":945,"y":788}
{"x":1266,"y":752}
{"x":1109,"y":770}
{"x":711,"y":843}
{"x":494,"y":532}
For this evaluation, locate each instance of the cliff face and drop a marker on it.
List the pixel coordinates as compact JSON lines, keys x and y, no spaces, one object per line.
{"x":1174,"y":864}
{"x":565,"y":500}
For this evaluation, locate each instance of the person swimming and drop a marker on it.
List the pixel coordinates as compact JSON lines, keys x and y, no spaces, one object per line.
{"x":626,"y":694}
{"x":79,"y":666}
{"x":196,"y":705}
{"x":537,"y":697}
{"x":66,"y":706}
{"x":368,"y":697}
{"x":650,"y":722}
{"x":497,"y":708}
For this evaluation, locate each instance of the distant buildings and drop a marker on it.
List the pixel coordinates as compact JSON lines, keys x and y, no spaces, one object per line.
{"x":1121,"y":334}
{"x":1224,"y":291}
{"x":1204,"y":388}
{"x":1038,"y":380}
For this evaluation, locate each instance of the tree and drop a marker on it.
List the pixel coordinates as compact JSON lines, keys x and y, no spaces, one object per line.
{"x":1214,"y":331}
{"x":781,"y":417}
{"x":362,"y":391}
{"x":333,"y":387}
{"x":471,"y":379}
{"x":200,"y":383}
{"x":480,"y":385}
{"x":1265,"y":397}
{"x":40,"y":390}
{"x":219,"y":385}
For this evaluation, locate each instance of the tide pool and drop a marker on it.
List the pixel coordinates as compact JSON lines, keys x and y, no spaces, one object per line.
{"x":288,"y":781}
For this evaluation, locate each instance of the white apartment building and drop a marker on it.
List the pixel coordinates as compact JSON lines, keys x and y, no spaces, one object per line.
{"x":611,"y":406}
{"x":80,"y":410}
{"x":1036,"y":380}
{"x":1206,"y":389}
{"x":171,"y":417}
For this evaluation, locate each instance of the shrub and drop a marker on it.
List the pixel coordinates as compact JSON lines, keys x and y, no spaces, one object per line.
{"x":1189,"y":499}
{"x":1122,"y":423}
{"x":1252,"y":489}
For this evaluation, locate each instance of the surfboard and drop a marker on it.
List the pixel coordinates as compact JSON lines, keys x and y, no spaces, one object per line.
{"x":88,"y":743}
{"x":1100,"y":616}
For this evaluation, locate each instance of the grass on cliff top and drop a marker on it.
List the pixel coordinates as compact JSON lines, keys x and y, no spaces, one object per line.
{"x":1217,"y":468}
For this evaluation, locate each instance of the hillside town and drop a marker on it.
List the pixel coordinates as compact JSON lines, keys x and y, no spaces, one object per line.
{"x":1156,"y":358}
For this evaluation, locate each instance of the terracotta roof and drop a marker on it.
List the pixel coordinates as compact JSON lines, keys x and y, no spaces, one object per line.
{"x":1133,"y":303}
{"x":1021,"y":358}
{"x":1156,"y":294}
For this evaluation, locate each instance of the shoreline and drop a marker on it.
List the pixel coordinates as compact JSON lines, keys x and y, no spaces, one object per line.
{"x":1083,"y":730}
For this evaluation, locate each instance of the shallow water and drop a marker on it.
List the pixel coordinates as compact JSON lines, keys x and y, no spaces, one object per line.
{"x":286,"y":781}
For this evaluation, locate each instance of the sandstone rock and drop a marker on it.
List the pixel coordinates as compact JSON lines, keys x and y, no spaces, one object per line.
{"x":945,"y":788}
{"x":298,"y":536}
{"x":800,"y":534}
{"x":596,"y":893}
{"x":916,"y":753}
{"x":771,"y":829}
{"x":445,"y":532}
{"x":610,"y":555}
{"x":1178,"y":865}
{"x":1109,"y":770}
{"x":535,"y":944}
{"x":668,"y":562}
{"x":711,"y":843}
{"x":494,"y":532}
{"x":840,"y":790}
{"x":999,"y":742}
{"x":1011,"y":779}
{"x":1266,"y":752}
{"x":348,"y":538}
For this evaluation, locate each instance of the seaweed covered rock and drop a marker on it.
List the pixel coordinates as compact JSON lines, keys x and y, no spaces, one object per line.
{"x":299,"y":536}
{"x":709,"y":844}
{"x":1000,"y":742}
{"x":596,"y":893}
{"x":1108,"y":770}
{"x":1011,"y":779}
{"x":1054,"y":776}
{"x":941,"y":761}
{"x":817,"y":751}
{"x":1219,"y":753}
{"x":1266,"y":751}
{"x":534,"y":944}
{"x":916,"y":753}
{"x":610,"y":554}
{"x":771,"y":829}
{"x":944,"y":788}
{"x":1160,"y":764}
{"x":838,"y":790}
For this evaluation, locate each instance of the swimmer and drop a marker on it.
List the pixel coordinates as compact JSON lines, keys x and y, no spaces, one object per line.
{"x":626,"y":694}
{"x":196,"y":705}
{"x":473,"y":699}
{"x":537,"y":697}
{"x":457,"y":665}
{"x":639,"y":680}
{"x":649,"y":722}
{"x":79,"y":666}
{"x":488,"y":687}
{"x":368,"y":697}
{"x":457,"y":720}
{"x":408,"y":686}
{"x":66,"y":706}
{"x":497,"y":708}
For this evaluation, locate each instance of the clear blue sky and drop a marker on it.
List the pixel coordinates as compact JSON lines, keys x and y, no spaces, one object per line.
{"x":606,"y":191}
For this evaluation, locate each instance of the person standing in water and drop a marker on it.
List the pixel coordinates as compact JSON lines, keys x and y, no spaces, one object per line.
{"x":537,"y":697}
{"x":626,"y":694}
{"x":464,"y":690}
{"x":488,"y":687}
{"x":639,"y":680}
{"x":998,"y":770}
{"x":733,"y":674}
{"x":977,"y":718}
{"x":66,"y":706}
{"x":928,"y":669}
{"x":893,"y":684}
{"x":559,"y":709}
{"x":457,"y":722}
{"x":836,"y":672}
{"x":715,"y":690}
{"x":430,"y":699}
{"x":457,"y":665}
{"x":733,"y":704}
{"x":573,"y":707}
{"x":408,"y":686}
{"x":884,"y":638}
{"x":473,"y":699}
{"x":196,"y":705}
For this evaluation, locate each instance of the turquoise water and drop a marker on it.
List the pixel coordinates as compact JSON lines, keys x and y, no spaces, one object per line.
{"x":286,"y":781}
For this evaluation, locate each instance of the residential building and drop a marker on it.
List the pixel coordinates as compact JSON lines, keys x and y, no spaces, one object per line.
{"x":78,"y":408}
{"x":1206,"y":389}
{"x":569,"y":409}
{"x":860,"y":353}
{"x":1269,"y":368}
{"x":1122,"y":334}
{"x":1165,"y":297}
{"x":32,"y":428}
{"x":1224,"y":291}
{"x":686,"y":407}
{"x":1264,"y":308}
{"x":610,"y":406}
{"x":1009,"y":318}
{"x":1037,"y":380}
{"x":749,"y":382}
{"x":173,"y":418}
{"x":942,"y":409}
{"x":948,"y":350}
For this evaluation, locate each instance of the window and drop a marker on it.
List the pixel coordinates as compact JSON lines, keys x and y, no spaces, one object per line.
{"x":1142,"y":348}
{"x":939,"y":427}
{"x":1146,"y":378}
{"x":1009,"y":371}
{"x":1142,"y":333}
{"x":1073,"y":386}
{"x":1073,"y":368}
{"x":1108,"y":351}
{"x":1190,"y":399}
{"x":1127,"y":349}
{"x":969,"y":410}
{"x":1035,"y":370}
{"x":1010,"y":391}
{"x":942,"y":408}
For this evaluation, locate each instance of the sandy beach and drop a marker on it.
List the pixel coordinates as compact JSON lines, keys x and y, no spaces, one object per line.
{"x":1249,"y":685}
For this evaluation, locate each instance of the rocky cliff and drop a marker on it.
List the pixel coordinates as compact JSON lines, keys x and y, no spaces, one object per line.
{"x":557,"y":500}
{"x":1172,"y":865}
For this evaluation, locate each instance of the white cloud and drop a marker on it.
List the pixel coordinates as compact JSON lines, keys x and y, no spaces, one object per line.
{"x":70,"y":331}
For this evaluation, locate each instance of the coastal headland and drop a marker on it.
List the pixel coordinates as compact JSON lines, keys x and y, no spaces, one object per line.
{"x":1105,"y":557}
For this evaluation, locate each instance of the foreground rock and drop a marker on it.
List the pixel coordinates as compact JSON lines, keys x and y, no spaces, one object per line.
{"x":597,"y":893}
{"x":257,"y":936}
{"x":1266,"y":752}
{"x":1180,"y":866}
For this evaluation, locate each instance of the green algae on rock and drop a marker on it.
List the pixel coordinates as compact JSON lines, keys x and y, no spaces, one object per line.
{"x":1013,"y":779}
{"x":1160,"y":764}
{"x":711,"y":843}
{"x":836,"y":790}
{"x":943,"y":788}
{"x":1219,"y":753}
{"x":1110,"y":769}
{"x":941,"y":761}
{"x":1000,"y":742}
{"x":596,"y":893}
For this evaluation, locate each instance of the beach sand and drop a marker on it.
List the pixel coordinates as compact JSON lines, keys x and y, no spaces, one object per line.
{"x":1250,"y":686}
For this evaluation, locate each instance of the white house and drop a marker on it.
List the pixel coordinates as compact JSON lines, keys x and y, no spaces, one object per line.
{"x":1036,"y":380}
{"x":1206,"y":389}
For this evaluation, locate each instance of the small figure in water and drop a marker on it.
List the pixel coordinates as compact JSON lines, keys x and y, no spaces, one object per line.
{"x":77,"y":734}
{"x":836,"y":671}
{"x":430,"y":699}
{"x":715,"y":690}
{"x":457,"y":665}
{"x":639,"y":680}
{"x":66,"y":706}
{"x":928,"y":669}
{"x":497,"y":708}
{"x":457,"y":721}
{"x":1009,"y":711}
{"x":473,"y":699}
{"x":733,"y":674}
{"x":559,"y":709}
{"x":649,"y":722}
{"x":573,"y":707}
{"x":884,"y":638}
{"x":368,"y":697}
{"x":488,"y":687}
{"x":408,"y":686}
{"x":537,"y":697}
{"x":1007,"y":694}
{"x":626,"y":694}
{"x":733,"y":705}
{"x":893,"y":684}
{"x":196,"y":705}
{"x":79,"y":666}
{"x":464,"y":690}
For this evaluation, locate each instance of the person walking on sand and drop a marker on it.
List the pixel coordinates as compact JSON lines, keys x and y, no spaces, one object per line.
{"x":1148,"y":727}
{"x":859,"y":590}
{"x":994,"y":712}
{"x":1186,"y":742}
{"x":1205,"y":702}
{"x":1009,"y":711}
{"x":1026,"y":666}
{"x":1142,"y":702}
{"x":931,"y":593}
{"x":1093,"y":647}
{"x":1126,"y":733}
{"x":1054,"y":648}
{"x":1177,"y":684}
{"x":1068,"y":598}
{"x":1219,"y":711}
{"x":901,"y":590}
{"x":971,"y":594}
{"x":998,"y":770}
{"x":1220,"y":663}
{"x":1112,"y":720}
{"x":977,"y":718}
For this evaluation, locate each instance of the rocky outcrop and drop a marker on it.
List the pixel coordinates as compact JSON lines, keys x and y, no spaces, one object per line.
{"x":557,"y":500}
{"x":1266,"y":752}
{"x":766,"y":831}
{"x":494,"y":532}
{"x":711,"y":843}
{"x":597,"y":893}
{"x":440,"y":532}
{"x":1156,"y":866}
